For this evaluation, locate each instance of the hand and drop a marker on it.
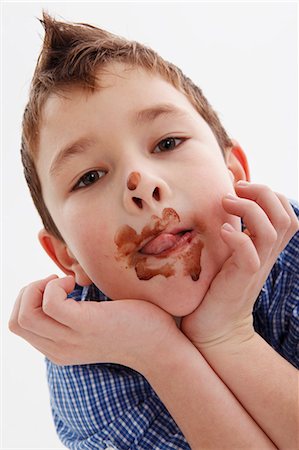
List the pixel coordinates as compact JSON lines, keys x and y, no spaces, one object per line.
{"x":225,"y":314}
{"x":130,"y":332}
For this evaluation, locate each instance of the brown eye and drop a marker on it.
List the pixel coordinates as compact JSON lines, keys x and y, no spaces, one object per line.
{"x":167,"y":144}
{"x":89,"y":178}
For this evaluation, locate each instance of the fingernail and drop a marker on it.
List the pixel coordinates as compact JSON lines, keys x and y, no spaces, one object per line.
{"x":228,"y":227}
{"x":242,"y":183}
{"x":231,"y":197}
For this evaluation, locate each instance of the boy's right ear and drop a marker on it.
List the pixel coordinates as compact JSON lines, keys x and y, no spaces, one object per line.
{"x":57,"y":250}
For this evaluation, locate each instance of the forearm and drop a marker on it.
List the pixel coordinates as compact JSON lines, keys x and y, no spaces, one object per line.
{"x":264,"y":383}
{"x":203,"y":407}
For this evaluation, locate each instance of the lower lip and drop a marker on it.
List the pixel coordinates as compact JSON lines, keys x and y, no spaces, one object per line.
{"x":186,"y":239}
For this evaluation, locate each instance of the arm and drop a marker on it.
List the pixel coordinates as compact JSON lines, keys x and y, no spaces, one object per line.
{"x":264,"y":383}
{"x":208,"y":414}
{"x":203,"y":407}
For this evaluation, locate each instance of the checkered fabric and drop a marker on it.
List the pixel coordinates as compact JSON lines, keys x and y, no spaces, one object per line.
{"x":109,"y":406}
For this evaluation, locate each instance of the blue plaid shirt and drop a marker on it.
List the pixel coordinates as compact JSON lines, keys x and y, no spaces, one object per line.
{"x":109,"y":406}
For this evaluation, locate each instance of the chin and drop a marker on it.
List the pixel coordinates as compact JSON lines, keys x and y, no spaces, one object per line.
{"x":180,"y":307}
{"x":180,"y":310}
{"x":182,"y":296}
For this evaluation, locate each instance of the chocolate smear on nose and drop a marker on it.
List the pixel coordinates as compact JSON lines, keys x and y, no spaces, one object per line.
{"x":128,"y":243}
{"x":133,"y":180}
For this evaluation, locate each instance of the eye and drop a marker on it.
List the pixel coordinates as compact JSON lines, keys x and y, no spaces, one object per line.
{"x":167,"y":144}
{"x":89,"y":178}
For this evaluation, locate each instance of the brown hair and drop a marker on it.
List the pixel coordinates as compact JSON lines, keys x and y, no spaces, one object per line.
{"x":72,"y":54}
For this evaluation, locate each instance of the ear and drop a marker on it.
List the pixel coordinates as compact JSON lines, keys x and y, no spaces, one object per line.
{"x":63,"y":257}
{"x":237,"y":163}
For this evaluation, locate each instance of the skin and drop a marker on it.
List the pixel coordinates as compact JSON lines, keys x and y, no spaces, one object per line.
{"x":193,"y":369}
{"x":191,"y":178}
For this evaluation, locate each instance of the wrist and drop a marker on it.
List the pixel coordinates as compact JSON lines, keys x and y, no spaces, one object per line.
{"x":231,"y":346}
{"x":168,"y":358}
{"x":231,"y":336}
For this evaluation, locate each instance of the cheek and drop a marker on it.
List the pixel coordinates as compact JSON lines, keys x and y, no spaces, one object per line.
{"x":93,"y":246}
{"x":208,"y":183}
{"x":90,"y":237}
{"x":89,"y":240}
{"x":84,"y":223}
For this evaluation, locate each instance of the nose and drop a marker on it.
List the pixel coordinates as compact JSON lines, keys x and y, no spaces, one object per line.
{"x":144,"y":191}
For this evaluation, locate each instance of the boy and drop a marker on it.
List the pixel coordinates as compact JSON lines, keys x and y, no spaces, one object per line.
{"x":141,"y":192}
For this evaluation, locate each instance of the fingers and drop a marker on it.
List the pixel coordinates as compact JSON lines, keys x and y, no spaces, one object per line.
{"x":276,"y":206}
{"x":244,"y":255}
{"x":28,"y":314}
{"x":57,"y":305}
{"x":261,"y":232}
{"x":294,"y":223}
{"x":21,"y":315}
{"x":269,"y":218}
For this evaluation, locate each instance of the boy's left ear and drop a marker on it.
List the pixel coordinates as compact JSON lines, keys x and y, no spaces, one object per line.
{"x":237,"y":163}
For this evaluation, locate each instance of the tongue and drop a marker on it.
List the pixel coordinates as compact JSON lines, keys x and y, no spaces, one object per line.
{"x":161,"y":243}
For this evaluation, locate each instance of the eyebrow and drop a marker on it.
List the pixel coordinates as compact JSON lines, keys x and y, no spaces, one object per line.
{"x":144,"y":116}
{"x":152,"y":113}
{"x":71,"y":150}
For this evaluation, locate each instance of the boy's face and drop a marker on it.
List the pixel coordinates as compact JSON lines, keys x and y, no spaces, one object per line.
{"x":133,"y":178}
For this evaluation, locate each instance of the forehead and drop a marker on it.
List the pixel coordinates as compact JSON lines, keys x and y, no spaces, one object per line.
{"x":121,"y":89}
{"x":127,"y":100}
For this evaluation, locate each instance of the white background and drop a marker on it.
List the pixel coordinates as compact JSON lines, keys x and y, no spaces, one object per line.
{"x":244,"y":57}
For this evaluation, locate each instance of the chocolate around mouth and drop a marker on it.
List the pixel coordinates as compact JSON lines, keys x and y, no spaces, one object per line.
{"x":165,"y":243}
{"x":143,"y":257}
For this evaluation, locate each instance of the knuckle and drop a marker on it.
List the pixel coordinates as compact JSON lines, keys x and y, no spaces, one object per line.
{"x":294,"y":224}
{"x":20,"y":294}
{"x":253,"y":265}
{"x":282,"y":198}
{"x":263,"y":192}
{"x":284,"y":222}
{"x":245,"y":243}
{"x":254,"y":209}
{"x":31,"y":286}
{"x":13,"y":326}
{"x":270,"y":236}
{"x":24,"y":320}
{"x":248,"y":252}
{"x":50,"y":285}
{"x":264,"y":189}
{"x":47,"y":306}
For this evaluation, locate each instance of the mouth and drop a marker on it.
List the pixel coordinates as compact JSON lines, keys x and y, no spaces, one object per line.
{"x":148,"y":251}
{"x":166,"y":243}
